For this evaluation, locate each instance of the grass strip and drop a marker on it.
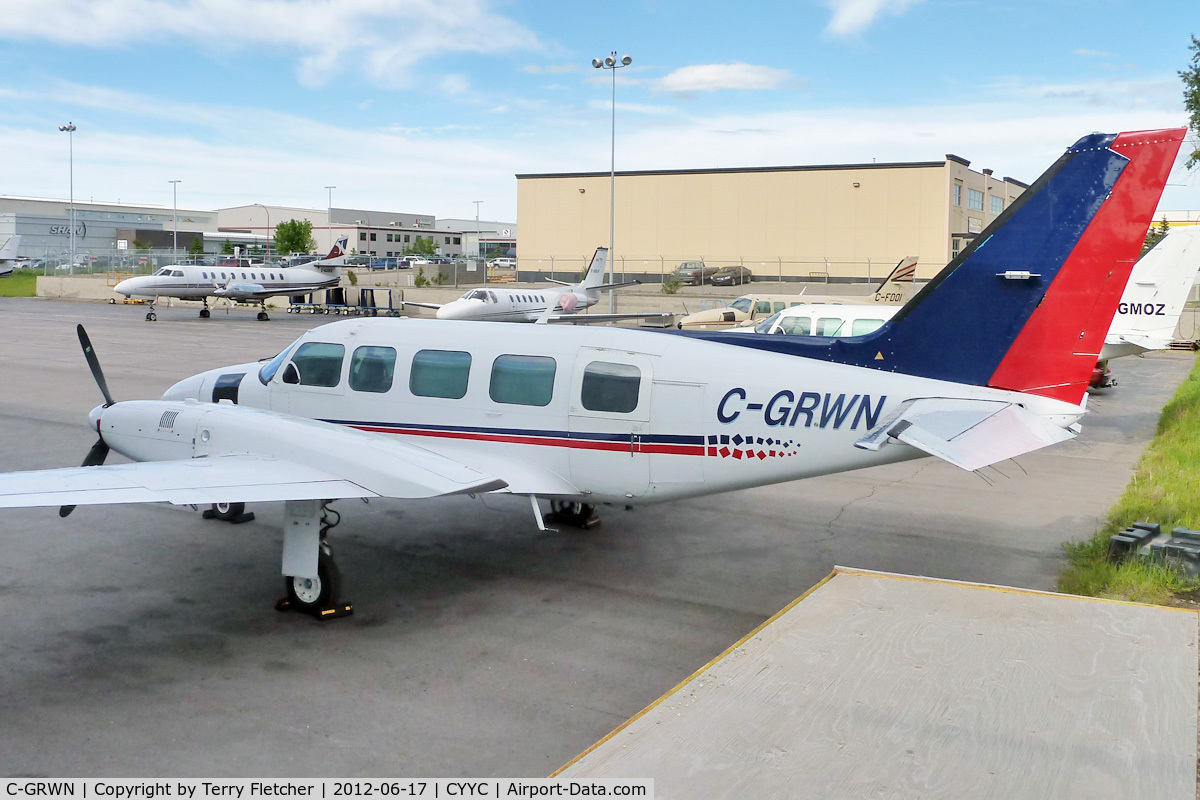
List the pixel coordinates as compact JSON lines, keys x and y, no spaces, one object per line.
{"x":22,"y":283}
{"x":1165,"y":488}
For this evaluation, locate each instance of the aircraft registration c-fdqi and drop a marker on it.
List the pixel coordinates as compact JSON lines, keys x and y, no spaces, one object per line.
{"x":988,"y":361}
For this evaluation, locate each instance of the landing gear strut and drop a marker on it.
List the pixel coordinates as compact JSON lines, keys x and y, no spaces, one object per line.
{"x":577,"y":515}
{"x":318,"y":595}
{"x":204,"y":312}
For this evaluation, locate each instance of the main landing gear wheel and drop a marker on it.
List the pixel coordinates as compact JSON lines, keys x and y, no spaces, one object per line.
{"x":205,"y":313}
{"x":151,"y":317}
{"x":316,"y":595}
{"x":262,"y":316}
{"x":578,"y":515}
{"x":229,"y":512}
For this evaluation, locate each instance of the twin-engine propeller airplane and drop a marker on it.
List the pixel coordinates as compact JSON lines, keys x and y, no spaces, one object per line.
{"x":238,"y":284}
{"x":491,"y":304}
{"x":987,"y":362}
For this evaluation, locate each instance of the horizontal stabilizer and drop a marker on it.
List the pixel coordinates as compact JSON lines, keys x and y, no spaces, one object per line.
{"x":970,"y":434}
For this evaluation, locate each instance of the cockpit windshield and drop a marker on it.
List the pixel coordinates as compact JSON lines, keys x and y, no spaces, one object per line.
{"x":742,"y":304}
{"x":164,"y":271}
{"x":475,"y":294}
{"x":271,"y":367}
{"x":765,"y":325}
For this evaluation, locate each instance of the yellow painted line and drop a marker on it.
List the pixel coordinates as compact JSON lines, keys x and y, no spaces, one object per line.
{"x":1005,"y":589}
{"x":698,"y":672}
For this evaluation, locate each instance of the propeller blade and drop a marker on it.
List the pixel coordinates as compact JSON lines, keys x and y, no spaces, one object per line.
{"x":94,"y":458}
{"x":94,"y":364}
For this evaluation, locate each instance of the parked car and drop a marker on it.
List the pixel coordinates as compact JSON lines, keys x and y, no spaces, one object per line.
{"x":358,"y":261}
{"x":694,"y":273}
{"x":731,"y":276}
{"x":503,"y":263}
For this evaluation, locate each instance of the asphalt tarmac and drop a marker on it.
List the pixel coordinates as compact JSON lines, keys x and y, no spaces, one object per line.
{"x":141,"y":640}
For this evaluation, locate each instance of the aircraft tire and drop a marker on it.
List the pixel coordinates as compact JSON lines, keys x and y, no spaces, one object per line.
{"x":228,"y":511}
{"x":204,"y":313}
{"x":307,"y":594}
{"x":151,"y":317}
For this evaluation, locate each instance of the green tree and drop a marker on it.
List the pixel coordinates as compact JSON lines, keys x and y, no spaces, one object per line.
{"x":1191,"y":96}
{"x":227,"y":248}
{"x":197,"y":246}
{"x":1155,"y":235}
{"x":294,"y":236}
{"x":421,"y":247}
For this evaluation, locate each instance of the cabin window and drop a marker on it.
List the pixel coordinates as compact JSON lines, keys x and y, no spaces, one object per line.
{"x":610,"y":387}
{"x":864,"y":326}
{"x":522,"y":380}
{"x":778,"y":306}
{"x":222,"y":276}
{"x":439,"y":373}
{"x":319,"y":363}
{"x":371,"y":369}
{"x":763,"y":307}
{"x":204,"y":275}
{"x":829,"y":326}
{"x":796,"y":326}
{"x":178,"y":273}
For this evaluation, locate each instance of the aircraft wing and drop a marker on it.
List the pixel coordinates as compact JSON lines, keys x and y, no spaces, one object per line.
{"x":583,"y":319}
{"x":263,"y":294}
{"x":410,"y":472}
{"x":970,"y":434}
{"x":421,"y":305}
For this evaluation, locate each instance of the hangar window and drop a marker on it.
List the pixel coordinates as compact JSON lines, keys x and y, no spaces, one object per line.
{"x":406,"y":237}
{"x":522,"y":380}
{"x":997,"y":205}
{"x":864,"y":326}
{"x":371,"y":369}
{"x":447,"y":240}
{"x":440,"y":373}
{"x":458,"y":240}
{"x":974,"y":199}
{"x":956,"y":194}
{"x":362,"y":236}
{"x":372,"y":237}
{"x":389,"y":238}
{"x":316,"y":364}
{"x":610,"y":387}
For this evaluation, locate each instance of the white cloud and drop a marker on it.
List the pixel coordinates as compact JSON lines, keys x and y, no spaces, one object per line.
{"x":550,"y":69}
{"x":854,"y":16}
{"x":384,"y":38}
{"x":714,"y":77}
{"x":454,"y":84}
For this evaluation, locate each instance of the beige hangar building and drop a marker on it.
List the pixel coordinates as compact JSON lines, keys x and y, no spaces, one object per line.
{"x":835,"y":222}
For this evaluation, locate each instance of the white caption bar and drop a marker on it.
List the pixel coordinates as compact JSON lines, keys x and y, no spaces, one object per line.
{"x":325,"y":789}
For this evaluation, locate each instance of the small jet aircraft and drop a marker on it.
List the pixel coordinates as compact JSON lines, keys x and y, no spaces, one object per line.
{"x":237,"y":284}
{"x":988,"y":361}
{"x":8,"y":255}
{"x":1146,"y":317}
{"x":491,"y":304}
{"x":751,"y":308}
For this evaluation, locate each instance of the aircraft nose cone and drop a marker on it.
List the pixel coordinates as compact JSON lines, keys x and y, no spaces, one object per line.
{"x":125,"y":287}
{"x":448,"y":311}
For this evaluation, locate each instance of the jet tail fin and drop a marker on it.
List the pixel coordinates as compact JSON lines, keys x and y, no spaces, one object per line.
{"x":1158,"y":290}
{"x":9,"y":251}
{"x":898,"y":285}
{"x":595,"y":274}
{"x":336,"y":256}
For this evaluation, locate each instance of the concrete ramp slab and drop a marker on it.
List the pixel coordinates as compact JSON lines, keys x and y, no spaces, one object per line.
{"x":878,"y":685}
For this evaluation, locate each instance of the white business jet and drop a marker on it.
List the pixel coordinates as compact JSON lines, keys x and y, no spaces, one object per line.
{"x":990,"y":360}
{"x":1146,"y":317}
{"x":491,"y":304}
{"x":237,"y":283}
{"x":8,"y":255}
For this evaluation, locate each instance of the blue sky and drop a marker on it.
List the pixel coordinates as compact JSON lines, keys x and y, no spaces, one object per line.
{"x":426,"y":105}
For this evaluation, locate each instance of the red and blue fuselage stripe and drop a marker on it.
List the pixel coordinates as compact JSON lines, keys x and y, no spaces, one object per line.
{"x":670,"y":444}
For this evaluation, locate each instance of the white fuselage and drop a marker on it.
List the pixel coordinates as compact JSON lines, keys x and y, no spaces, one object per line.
{"x":193,"y":282}
{"x":660,"y":417}
{"x":515,"y":305}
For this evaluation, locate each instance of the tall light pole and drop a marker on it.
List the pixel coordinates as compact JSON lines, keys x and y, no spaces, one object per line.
{"x":267,"y":252}
{"x":611,"y":63}
{"x":175,"y":223}
{"x":69,"y":129}
{"x":329,"y":223}
{"x":478,"y":249}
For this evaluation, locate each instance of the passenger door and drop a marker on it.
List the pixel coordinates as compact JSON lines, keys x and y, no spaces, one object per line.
{"x":608,"y":420}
